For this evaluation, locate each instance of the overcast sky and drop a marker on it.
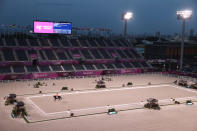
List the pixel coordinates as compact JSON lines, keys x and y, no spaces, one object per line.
{"x":149,"y":15}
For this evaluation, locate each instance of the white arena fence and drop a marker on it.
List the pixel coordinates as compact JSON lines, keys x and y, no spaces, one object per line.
{"x":188,"y":78}
{"x":122,"y":107}
{"x":131,"y":106}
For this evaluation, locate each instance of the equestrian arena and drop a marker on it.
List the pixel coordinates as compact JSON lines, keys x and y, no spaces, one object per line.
{"x":84,"y":108}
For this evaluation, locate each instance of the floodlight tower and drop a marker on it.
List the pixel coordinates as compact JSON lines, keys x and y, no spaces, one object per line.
{"x":126,"y":16}
{"x":183,"y":15}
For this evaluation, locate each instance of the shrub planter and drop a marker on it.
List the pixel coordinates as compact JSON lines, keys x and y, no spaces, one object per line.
{"x":36,"y":85}
{"x":112,"y":111}
{"x":10,"y":99}
{"x":100,"y":86}
{"x":64,"y":88}
{"x":176,"y":102}
{"x":183,"y":83}
{"x":129,"y":84}
{"x":19,"y":110}
{"x":152,"y":104}
{"x":189,"y":102}
{"x":71,"y":114}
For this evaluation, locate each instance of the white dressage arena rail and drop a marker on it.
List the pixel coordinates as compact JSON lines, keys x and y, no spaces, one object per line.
{"x":128,"y":106}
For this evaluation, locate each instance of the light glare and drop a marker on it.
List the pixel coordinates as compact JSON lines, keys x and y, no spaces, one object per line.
{"x":185,"y":14}
{"x":128,"y":15}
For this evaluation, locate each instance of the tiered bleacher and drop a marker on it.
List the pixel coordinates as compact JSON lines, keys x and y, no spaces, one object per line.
{"x":60,"y":56}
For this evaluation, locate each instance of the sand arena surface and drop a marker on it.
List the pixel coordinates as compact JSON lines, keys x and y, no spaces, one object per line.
{"x":101,"y":98}
{"x":177,"y":117}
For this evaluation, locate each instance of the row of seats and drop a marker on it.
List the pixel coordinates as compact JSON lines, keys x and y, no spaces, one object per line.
{"x":71,"y":67}
{"x":59,"y":42}
{"x":15,"y":54}
{"x":61,"y":48}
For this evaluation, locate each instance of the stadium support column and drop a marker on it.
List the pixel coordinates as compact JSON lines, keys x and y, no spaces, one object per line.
{"x":182,"y":44}
{"x":125,"y":28}
{"x":183,"y":15}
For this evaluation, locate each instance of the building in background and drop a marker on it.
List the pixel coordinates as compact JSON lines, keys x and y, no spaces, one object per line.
{"x":170,"y":50}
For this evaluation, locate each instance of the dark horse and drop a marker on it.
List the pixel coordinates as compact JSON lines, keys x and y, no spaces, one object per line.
{"x":57,"y":97}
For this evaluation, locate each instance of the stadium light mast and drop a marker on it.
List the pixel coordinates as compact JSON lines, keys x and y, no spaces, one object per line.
{"x":183,"y":15}
{"x":126,"y":16}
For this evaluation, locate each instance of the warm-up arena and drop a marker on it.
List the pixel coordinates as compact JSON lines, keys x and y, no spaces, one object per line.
{"x":83,"y":107}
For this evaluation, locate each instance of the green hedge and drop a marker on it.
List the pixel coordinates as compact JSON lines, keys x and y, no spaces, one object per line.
{"x":65,"y":88}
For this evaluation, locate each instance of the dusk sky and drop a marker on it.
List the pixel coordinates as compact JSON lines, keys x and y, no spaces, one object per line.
{"x":150,"y":16}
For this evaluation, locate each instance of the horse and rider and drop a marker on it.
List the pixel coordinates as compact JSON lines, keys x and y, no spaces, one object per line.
{"x":57,"y":96}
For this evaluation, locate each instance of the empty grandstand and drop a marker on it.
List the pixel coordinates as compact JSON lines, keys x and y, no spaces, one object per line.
{"x":49,"y":57}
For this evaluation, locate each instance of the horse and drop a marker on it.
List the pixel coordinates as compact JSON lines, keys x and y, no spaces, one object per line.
{"x":57,"y":97}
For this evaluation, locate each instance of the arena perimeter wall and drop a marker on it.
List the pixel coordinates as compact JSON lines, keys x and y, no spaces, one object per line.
{"x":69,"y":74}
{"x":84,"y":73}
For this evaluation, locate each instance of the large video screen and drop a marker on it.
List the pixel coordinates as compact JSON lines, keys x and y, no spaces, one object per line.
{"x":62,"y":28}
{"x":43,"y":27}
{"x":51,"y":27}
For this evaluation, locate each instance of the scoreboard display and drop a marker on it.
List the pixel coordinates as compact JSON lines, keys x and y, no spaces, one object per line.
{"x":52,"y":27}
{"x":62,"y":28}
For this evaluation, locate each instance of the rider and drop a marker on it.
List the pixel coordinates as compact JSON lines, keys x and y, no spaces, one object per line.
{"x":57,"y":95}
